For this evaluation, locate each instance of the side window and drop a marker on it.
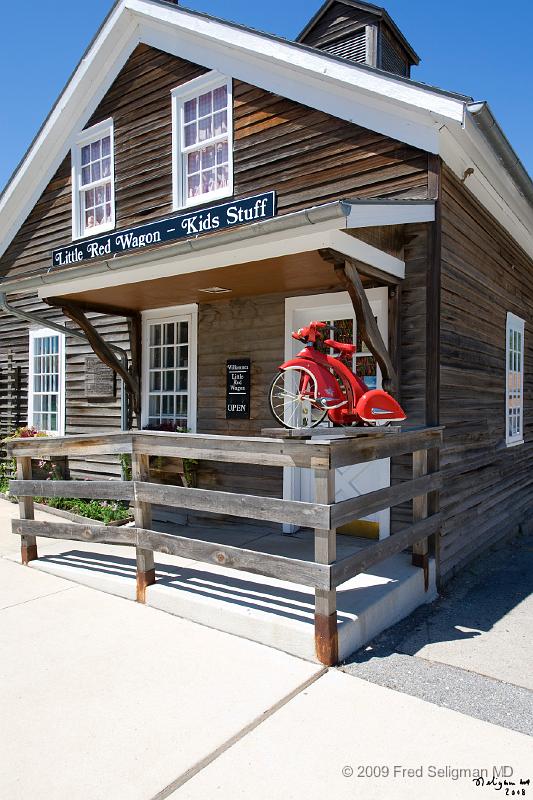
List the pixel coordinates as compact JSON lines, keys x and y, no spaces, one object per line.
{"x":46,"y":381}
{"x":514,"y":380}
{"x":93,"y":181}
{"x":202,"y":134}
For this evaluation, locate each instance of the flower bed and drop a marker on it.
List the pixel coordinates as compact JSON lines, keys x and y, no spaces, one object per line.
{"x":105,"y":511}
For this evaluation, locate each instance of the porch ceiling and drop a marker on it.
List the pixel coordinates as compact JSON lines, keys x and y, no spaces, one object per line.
{"x":295,"y":273}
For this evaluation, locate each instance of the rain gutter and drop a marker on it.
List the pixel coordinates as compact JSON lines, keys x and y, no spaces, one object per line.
{"x":485,"y":121}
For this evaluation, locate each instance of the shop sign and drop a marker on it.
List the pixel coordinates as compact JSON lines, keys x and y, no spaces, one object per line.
{"x":183,"y":226}
{"x":238,"y":388}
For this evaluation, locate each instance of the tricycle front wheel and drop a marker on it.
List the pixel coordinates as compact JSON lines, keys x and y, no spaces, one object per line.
{"x":292,"y":400}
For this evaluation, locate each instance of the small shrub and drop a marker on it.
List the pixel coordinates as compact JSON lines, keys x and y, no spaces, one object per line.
{"x":101,"y":510}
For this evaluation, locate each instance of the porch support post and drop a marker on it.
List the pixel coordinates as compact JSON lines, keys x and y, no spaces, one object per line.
{"x":348,"y":275}
{"x":370,"y":334}
{"x":140,"y":471}
{"x":28,"y":544}
{"x":135,"y":333}
{"x":420,"y":511}
{"x":326,"y":636}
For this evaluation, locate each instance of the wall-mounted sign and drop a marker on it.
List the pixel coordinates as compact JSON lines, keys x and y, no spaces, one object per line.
{"x":238,"y":388}
{"x":184,"y":226}
{"x":100,"y":380}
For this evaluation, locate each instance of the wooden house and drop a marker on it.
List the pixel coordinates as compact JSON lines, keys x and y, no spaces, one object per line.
{"x":194,"y":196}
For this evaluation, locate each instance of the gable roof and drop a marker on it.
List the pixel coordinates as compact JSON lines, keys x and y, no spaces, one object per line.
{"x":377,"y":11}
{"x":428,"y":118}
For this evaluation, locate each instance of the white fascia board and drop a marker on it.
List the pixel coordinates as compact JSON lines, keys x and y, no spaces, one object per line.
{"x":317,"y":88}
{"x":89,"y":84}
{"x":371,"y":214}
{"x":361,"y":251}
{"x":490,"y":183}
{"x":154,"y":265}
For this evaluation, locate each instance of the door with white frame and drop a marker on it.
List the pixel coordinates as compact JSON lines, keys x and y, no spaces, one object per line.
{"x":337,"y":310}
{"x":169,"y":371}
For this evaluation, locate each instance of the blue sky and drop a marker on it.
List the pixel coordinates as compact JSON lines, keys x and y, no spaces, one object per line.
{"x":465,"y":46}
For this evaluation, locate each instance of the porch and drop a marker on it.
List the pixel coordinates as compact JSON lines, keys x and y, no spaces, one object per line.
{"x":316,"y":593}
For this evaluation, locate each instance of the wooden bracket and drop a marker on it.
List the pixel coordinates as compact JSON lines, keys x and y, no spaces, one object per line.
{"x":131,"y":377}
{"x":348,"y":275}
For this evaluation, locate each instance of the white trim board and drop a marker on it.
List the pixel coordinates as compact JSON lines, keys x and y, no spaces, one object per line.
{"x":397,"y":108}
{"x":273,"y":245}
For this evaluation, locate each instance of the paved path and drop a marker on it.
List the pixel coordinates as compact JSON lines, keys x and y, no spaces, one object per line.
{"x":471,"y":650}
{"x":104,"y":699}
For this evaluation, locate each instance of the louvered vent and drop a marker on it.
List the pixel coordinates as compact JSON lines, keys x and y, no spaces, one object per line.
{"x":352,"y":47}
{"x":391,"y":61}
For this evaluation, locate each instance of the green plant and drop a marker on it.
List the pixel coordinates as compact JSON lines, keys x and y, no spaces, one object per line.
{"x":189,"y":464}
{"x":125,"y":466}
{"x":101,"y":510}
{"x":8,"y":466}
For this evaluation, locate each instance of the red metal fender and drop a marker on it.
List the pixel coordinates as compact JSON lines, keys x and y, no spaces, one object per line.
{"x":327,"y":386}
{"x":377,"y":404}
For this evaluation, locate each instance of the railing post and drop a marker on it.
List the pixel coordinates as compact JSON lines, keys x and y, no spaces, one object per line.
{"x":140,"y":471}
{"x":420,"y":511}
{"x":28,"y":544}
{"x":326,"y":637}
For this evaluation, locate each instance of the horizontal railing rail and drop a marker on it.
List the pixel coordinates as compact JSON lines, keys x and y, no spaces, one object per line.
{"x":323,"y":455}
{"x":313,"y":453}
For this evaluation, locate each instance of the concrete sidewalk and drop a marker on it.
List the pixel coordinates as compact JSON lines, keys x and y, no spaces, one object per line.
{"x":101,"y":698}
{"x":104,"y":699}
{"x":471,"y":650}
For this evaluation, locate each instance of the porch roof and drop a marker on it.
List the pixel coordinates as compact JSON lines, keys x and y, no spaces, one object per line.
{"x":333,"y":225}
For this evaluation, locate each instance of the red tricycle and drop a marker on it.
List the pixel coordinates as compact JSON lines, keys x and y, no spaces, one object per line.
{"x":315,"y":384}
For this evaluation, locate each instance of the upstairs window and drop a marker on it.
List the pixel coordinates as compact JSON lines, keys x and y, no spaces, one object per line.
{"x":202,"y":140}
{"x":514,"y":380}
{"x":93,"y":181}
{"x":46,"y":381}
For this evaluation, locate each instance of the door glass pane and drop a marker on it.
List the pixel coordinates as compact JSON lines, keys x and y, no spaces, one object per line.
{"x":168,"y":363}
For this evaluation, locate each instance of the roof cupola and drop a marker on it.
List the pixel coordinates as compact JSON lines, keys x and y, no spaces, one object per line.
{"x":362,"y":33}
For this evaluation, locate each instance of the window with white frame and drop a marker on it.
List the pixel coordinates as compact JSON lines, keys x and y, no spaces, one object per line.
{"x":514,"y":379}
{"x":169,"y":369}
{"x":93,"y":181}
{"x":202,"y":140}
{"x":46,"y":381}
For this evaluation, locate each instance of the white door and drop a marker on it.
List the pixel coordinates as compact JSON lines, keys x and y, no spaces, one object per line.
{"x":337,"y":309}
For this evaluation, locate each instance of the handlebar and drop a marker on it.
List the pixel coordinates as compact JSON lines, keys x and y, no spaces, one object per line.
{"x":309,"y":333}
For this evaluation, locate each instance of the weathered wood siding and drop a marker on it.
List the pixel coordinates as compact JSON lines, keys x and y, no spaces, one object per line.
{"x":412,"y":352}
{"x":245,"y":328}
{"x":307,"y":156}
{"x":82,"y":416}
{"x":488,"y":487}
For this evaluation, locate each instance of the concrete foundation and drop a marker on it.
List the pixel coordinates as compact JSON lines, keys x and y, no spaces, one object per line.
{"x":272,"y":612}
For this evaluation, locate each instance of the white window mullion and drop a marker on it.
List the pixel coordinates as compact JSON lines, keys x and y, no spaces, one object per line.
{"x":169,"y":368}
{"x":514,"y":383}
{"x":93,"y":180}
{"x":202,"y":167}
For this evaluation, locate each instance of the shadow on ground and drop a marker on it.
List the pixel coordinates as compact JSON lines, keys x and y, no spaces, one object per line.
{"x":468,"y":606}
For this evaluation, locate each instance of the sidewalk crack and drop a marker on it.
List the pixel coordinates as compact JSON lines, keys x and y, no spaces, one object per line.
{"x":33,"y":599}
{"x":237,"y":737}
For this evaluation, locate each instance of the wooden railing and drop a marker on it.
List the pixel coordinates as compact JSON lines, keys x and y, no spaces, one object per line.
{"x":324,"y":515}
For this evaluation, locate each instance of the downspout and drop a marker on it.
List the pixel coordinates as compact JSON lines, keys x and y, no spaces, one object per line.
{"x":35,"y":319}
